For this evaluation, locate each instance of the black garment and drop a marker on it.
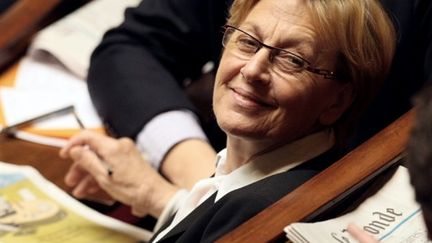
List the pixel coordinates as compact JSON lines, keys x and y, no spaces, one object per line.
{"x":138,"y":70}
{"x":210,"y":221}
{"x":5,"y":4}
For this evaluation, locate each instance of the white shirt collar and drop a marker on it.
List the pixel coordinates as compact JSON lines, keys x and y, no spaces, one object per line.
{"x":274,"y":162}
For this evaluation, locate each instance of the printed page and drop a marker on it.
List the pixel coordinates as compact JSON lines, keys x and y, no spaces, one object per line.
{"x":33,"y":210}
{"x":41,"y":86}
{"x":391,"y":215}
{"x":73,"y":38}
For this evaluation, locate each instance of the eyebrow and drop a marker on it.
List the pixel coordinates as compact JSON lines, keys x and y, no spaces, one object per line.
{"x":301,"y":43}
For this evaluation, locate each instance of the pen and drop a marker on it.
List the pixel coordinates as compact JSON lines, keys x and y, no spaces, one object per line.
{"x":108,"y":168}
{"x":11,"y":130}
{"x":81,"y":124}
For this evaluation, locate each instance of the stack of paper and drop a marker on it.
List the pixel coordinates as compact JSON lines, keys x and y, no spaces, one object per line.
{"x":391,"y":215}
{"x":52,"y":75}
{"x":41,"y":87}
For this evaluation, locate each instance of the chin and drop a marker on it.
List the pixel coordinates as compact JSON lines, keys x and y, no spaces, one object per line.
{"x":242,"y":125}
{"x":241,"y":131}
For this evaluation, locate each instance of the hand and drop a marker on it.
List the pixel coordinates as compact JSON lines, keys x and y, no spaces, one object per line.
{"x":360,"y":235}
{"x":133,"y":181}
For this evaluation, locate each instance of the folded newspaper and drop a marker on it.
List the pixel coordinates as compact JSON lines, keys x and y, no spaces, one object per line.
{"x":391,"y":215}
{"x":33,"y":209}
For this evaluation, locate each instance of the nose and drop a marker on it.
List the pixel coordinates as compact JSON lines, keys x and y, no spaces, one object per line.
{"x":256,"y":69}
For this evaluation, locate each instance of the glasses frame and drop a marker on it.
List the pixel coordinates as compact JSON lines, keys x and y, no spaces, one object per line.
{"x":327,"y":74}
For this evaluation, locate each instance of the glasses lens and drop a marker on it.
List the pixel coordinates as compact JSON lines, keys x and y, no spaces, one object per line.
{"x":227,"y":36}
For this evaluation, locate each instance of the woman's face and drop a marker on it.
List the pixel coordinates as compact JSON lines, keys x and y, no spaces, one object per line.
{"x":253,"y":100}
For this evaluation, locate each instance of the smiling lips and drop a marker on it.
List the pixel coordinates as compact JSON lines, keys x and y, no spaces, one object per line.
{"x":248,"y":99}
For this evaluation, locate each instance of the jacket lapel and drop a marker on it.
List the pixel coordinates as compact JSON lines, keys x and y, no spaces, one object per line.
{"x":188,"y":220}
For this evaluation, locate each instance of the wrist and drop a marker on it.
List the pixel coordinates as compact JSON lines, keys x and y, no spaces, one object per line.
{"x":153,"y":200}
{"x":187,"y":154}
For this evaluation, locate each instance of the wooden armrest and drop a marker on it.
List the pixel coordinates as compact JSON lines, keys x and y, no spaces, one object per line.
{"x":19,"y":23}
{"x":319,"y":192}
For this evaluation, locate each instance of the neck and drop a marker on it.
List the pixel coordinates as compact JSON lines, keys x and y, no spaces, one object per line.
{"x":241,"y":151}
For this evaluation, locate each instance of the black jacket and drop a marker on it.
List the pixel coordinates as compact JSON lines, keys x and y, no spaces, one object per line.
{"x":211,"y":220}
{"x":138,"y":70}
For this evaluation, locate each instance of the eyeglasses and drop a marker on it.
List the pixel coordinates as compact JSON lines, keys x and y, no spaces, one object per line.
{"x":284,"y":61}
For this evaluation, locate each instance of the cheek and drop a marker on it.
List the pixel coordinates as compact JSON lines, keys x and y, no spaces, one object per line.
{"x":309,"y":103}
{"x":229,"y":67}
{"x":299,"y":104}
{"x":228,"y":70}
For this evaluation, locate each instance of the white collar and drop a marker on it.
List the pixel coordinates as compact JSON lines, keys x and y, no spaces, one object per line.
{"x":273,"y":162}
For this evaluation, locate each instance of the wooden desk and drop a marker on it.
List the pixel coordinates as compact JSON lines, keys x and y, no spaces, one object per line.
{"x":44,"y":158}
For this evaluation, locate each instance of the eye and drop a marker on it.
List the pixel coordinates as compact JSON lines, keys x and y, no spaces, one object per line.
{"x":246,"y":43}
{"x":290,"y":62}
{"x":294,"y":60}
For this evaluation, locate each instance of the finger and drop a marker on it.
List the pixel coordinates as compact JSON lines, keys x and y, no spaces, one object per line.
{"x":87,"y":160}
{"x":139,"y":212}
{"x":87,"y":188}
{"x":83,"y":138}
{"x":74,"y":175}
{"x":81,"y":190}
{"x":101,"y":196}
{"x":360,"y":235}
{"x":97,"y":142}
{"x":74,"y":141}
{"x":93,"y":187}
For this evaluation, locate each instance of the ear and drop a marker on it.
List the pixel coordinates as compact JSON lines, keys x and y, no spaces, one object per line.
{"x":342,"y":101}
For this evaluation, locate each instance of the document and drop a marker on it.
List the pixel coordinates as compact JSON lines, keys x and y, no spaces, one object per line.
{"x":391,"y":215}
{"x":52,"y":75}
{"x":73,"y":38}
{"x":33,"y":210}
{"x":41,"y":86}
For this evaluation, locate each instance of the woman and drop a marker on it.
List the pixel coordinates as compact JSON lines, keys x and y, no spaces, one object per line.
{"x":291,"y":82}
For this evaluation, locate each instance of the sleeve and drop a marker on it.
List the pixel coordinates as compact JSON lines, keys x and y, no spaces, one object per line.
{"x":159,"y":135}
{"x":138,"y":69}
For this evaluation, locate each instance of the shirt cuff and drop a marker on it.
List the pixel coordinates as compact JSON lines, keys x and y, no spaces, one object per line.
{"x":164,"y":131}
{"x":171,"y":208}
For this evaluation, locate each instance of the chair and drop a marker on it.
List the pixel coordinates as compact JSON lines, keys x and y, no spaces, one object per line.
{"x":323,"y":191}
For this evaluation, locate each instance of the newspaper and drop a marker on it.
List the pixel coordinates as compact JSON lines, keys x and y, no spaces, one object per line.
{"x":391,"y":215}
{"x":73,"y":38}
{"x":33,"y":210}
